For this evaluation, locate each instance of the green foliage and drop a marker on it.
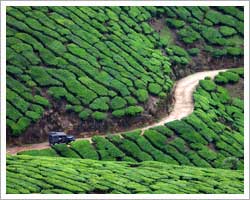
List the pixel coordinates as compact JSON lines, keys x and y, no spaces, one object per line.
{"x":212,"y":35}
{"x":142,"y":95}
{"x":85,"y":149}
{"x":106,"y":149}
{"x":43,"y":152}
{"x":134,"y":110}
{"x":18,"y":127}
{"x":99,"y":116}
{"x":134,"y":151}
{"x":164,"y":130}
{"x":234,"y":51}
{"x":186,"y":131}
{"x":33,"y":115}
{"x":41,"y":101}
{"x":188,"y":35}
{"x":179,"y":51}
{"x":85,"y":114}
{"x":227,"y":31}
{"x":175,"y":23}
{"x":208,"y":85}
{"x":65,"y":176}
{"x":64,"y":151}
{"x":193,"y":51}
{"x":231,"y":76}
{"x":40,"y":75}
{"x":67,"y":55}
{"x":119,"y":113}
{"x":154,"y":88}
{"x":100,"y":104}
{"x":118,"y":103}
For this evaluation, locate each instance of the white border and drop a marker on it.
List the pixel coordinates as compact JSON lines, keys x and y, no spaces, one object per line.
{"x":123,"y":3}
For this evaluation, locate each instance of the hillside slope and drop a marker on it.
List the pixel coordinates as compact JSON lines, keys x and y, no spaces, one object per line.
{"x":80,"y":69}
{"x":30,"y":174}
{"x":212,"y":136}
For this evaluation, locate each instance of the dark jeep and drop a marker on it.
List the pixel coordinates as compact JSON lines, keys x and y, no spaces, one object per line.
{"x":60,"y":137}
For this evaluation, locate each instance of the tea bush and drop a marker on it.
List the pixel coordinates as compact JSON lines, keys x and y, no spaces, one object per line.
{"x":202,"y":139}
{"x":89,"y":176}
{"x":65,"y":55}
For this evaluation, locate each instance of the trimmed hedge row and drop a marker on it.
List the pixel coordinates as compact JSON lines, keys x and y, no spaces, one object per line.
{"x":207,"y":138}
{"x":70,"y":54}
{"x":30,"y":174}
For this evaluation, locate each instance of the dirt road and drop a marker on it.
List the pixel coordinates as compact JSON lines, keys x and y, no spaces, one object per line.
{"x":183,"y":106}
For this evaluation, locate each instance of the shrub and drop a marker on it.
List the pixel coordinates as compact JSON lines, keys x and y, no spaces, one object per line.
{"x":154,"y":88}
{"x":175,"y":154}
{"x":188,"y":35}
{"x":41,"y":100}
{"x":207,"y":85}
{"x":12,"y":113}
{"x":43,"y":152}
{"x":16,"y":100}
{"x":193,"y":51}
{"x":231,"y":77}
{"x":239,"y":71}
{"x":186,"y":131}
{"x":156,"y":138}
{"x":235,"y":51}
{"x":119,"y":113}
{"x":98,"y":88}
{"x":179,"y":51}
{"x":117,"y":103}
{"x":218,"y":52}
{"x":59,"y":92}
{"x":219,"y":79}
{"x":85,"y":149}
{"x":85,"y":176}
{"x":134,"y":151}
{"x":40,"y":75}
{"x":175,"y":23}
{"x":238,"y":103}
{"x":65,"y":151}
{"x":134,"y":110}
{"x":146,"y":28}
{"x":33,"y":115}
{"x":107,"y":150}
{"x":227,"y":31}
{"x":211,"y":35}
{"x":133,"y":135}
{"x":20,"y":126}
{"x":213,"y":16}
{"x":198,"y":161}
{"x":85,"y":114}
{"x":100,"y":104}
{"x":158,"y":155}
{"x":131,"y":100}
{"x":207,"y":154}
{"x":142,"y":95}
{"x":163,"y":130}
{"x":180,"y":144}
{"x":99,"y":116}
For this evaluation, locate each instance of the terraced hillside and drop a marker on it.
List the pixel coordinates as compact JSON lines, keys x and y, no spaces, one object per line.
{"x":103,"y":73}
{"x":103,"y":68}
{"x":212,"y":136}
{"x":30,"y":174}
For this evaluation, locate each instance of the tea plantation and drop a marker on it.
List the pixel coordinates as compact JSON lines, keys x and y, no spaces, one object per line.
{"x":96,"y":68}
{"x":46,"y":175}
{"x":212,"y":136}
{"x":106,"y":62}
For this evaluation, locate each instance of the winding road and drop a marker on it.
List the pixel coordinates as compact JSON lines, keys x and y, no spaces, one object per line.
{"x":183,"y":106}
